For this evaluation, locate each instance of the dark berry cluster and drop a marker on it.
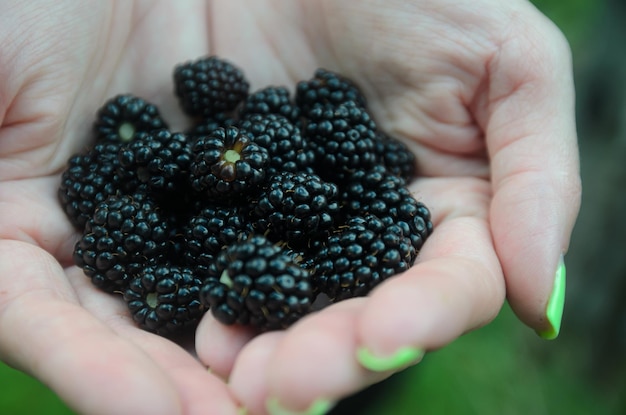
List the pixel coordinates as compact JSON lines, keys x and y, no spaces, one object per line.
{"x":265,"y":203}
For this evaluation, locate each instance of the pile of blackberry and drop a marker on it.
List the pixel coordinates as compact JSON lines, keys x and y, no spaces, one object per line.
{"x":267,"y":203}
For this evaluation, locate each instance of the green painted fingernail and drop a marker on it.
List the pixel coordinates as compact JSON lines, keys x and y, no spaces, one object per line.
{"x":403,"y":357}
{"x":242,"y":411}
{"x":554,"y":310}
{"x":318,"y":407}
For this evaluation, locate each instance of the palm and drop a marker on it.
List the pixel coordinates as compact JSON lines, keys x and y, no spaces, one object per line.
{"x":422,"y":86}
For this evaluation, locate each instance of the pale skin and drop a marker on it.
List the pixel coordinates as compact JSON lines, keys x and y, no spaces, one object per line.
{"x":482,"y":91}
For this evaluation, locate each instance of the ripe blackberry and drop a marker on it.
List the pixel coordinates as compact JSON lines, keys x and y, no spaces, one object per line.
{"x":270,"y":100}
{"x":381,"y":193}
{"x":227,"y":163}
{"x":160,"y":159}
{"x":395,"y":156}
{"x":287,"y":149}
{"x":254,"y":282}
{"x":296,"y":208}
{"x":125,"y":115}
{"x":359,"y":255}
{"x":414,"y":220}
{"x":209,"y":85}
{"x":327,"y":87}
{"x":165,"y":298}
{"x":118,"y":240}
{"x":90,"y":178}
{"x":210,"y":230}
{"x":343,"y":139}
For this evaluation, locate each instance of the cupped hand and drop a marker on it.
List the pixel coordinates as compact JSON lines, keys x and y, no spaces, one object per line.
{"x":482,"y":92}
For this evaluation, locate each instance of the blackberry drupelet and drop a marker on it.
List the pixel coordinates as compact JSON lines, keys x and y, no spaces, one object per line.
{"x":159,"y":159}
{"x":359,"y":255}
{"x":125,"y":115}
{"x":227,"y":163}
{"x":395,"y":156}
{"x":296,"y":208}
{"x":164,"y":298}
{"x":124,"y":232}
{"x":343,"y":139}
{"x":208,"y":86}
{"x":254,"y":282}
{"x":89,"y":178}
{"x":287,"y":149}
{"x":381,"y":193}
{"x":271,"y":100}
{"x":327,"y":87}
{"x":212,"y":229}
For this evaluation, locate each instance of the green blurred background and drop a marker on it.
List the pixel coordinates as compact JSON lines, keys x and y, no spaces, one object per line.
{"x":504,"y":368}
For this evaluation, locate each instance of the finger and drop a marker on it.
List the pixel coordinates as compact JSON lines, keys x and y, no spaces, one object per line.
{"x":531,"y":136}
{"x":218,"y":345}
{"x":455,"y":286}
{"x":317,"y":352}
{"x":248,"y":380}
{"x":45,"y":333}
{"x":200,"y":391}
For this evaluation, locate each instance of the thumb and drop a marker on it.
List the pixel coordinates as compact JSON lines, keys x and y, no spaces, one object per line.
{"x":531,"y":137}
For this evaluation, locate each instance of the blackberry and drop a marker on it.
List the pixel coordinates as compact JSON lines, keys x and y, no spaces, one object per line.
{"x":124,"y":232}
{"x":160,"y":159}
{"x":359,"y":255}
{"x":254,"y":282}
{"x":287,"y":149}
{"x":90,"y":178}
{"x":210,"y":230}
{"x":343,"y":139}
{"x":209,"y":85}
{"x":395,"y":156}
{"x":381,"y":193}
{"x":125,"y":115}
{"x":414,"y":220}
{"x":295,"y":208}
{"x":270,"y":100}
{"x":165,"y":298}
{"x":227,"y":163}
{"x":327,"y":87}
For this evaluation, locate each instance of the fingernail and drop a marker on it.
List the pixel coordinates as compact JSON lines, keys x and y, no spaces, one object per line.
{"x":242,"y":411}
{"x":554,"y":310}
{"x":318,"y":407}
{"x":402,"y":358}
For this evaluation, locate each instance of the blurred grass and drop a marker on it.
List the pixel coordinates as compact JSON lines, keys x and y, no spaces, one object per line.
{"x":495,"y":370}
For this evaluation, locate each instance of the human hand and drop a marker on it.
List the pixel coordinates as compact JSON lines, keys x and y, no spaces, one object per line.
{"x":484,"y":94}
{"x":60,"y":61}
{"x":447,"y":78}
